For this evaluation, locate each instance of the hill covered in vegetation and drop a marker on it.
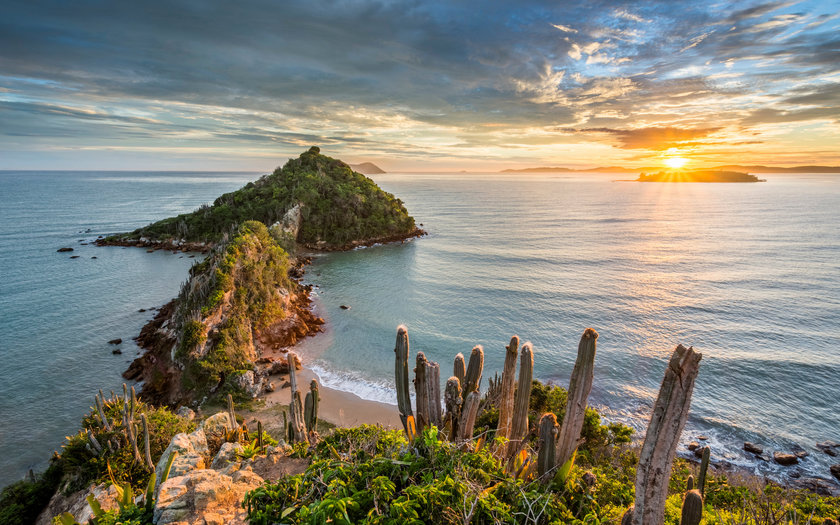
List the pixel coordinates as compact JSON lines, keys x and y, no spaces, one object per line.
{"x":698,"y":176}
{"x":322,"y":201}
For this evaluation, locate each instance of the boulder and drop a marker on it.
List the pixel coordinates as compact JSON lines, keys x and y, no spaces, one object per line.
{"x":835,"y":471}
{"x":702,"y":438}
{"x":785,"y":459}
{"x":693,"y":446}
{"x":116,"y":351}
{"x":227,"y":455}
{"x":192,"y":453}
{"x":77,"y":504}
{"x":217,"y":424}
{"x":204,"y":496}
{"x":251,"y":383}
{"x":115,"y":341}
{"x":752,"y":447}
{"x":344,"y":307}
{"x":282,"y":366}
{"x":186,"y":413}
{"x":65,"y":249}
{"x":829,"y":447}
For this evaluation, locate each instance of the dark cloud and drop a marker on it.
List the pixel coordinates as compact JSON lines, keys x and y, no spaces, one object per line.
{"x":650,"y":138}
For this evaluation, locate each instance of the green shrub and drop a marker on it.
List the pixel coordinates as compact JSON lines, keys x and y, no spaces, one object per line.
{"x":21,"y":502}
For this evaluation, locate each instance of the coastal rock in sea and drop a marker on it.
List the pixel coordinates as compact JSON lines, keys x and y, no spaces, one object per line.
{"x":698,"y":452}
{"x":65,"y":249}
{"x":835,"y":471}
{"x":115,"y":341}
{"x":205,"y":496}
{"x":785,"y":459}
{"x":693,"y":446}
{"x":116,"y":351}
{"x":702,"y":438}
{"x":752,"y":447}
{"x":344,"y":307}
{"x":817,"y":486}
{"x":829,"y":447}
{"x":74,"y":256}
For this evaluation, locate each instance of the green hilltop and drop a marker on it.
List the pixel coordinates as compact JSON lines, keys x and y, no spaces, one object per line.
{"x":329,"y":205}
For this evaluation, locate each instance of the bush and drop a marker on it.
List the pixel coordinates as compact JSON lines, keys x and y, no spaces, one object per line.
{"x":21,"y":502}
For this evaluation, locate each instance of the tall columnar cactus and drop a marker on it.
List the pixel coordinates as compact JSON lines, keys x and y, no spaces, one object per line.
{"x":297,"y":434}
{"x":452,"y":399}
{"x":468,"y":413}
{"x":548,"y":434}
{"x":310,"y":412}
{"x":401,"y":375}
{"x":670,"y":412}
{"x":421,"y":393}
{"x":259,"y":435}
{"x":579,"y":387}
{"x":474,"y":371}
{"x":704,"y":466}
{"x":100,"y":408}
{"x":147,"y":442}
{"x":460,"y":368}
{"x":433,"y":393}
{"x":290,"y":358}
{"x":521,"y":400}
{"x":93,"y":441}
{"x":231,"y":412}
{"x":507,"y":389}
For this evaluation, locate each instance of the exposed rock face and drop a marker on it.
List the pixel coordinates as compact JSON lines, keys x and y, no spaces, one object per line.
{"x":829,"y":447}
{"x":192,"y":454}
{"x":835,"y":471}
{"x":77,"y":505}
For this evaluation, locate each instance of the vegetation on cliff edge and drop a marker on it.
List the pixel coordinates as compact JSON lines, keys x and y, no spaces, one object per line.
{"x":338,"y":206}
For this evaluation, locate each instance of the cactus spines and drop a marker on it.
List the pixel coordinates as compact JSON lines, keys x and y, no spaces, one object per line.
{"x":692,"y":508}
{"x":579,"y":387}
{"x":147,"y":442}
{"x":310,"y":412}
{"x":474,"y":370}
{"x":670,"y":412}
{"x":460,"y":368}
{"x":452,"y":399}
{"x":507,"y":388}
{"x":468,"y":413}
{"x":547,"y":436}
{"x":704,"y":466}
{"x":522,"y":398}
{"x":401,"y":375}
{"x":421,"y":393}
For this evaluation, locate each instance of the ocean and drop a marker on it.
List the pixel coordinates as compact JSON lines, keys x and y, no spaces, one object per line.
{"x":748,"y":274}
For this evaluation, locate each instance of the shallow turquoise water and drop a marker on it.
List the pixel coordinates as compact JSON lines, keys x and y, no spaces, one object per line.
{"x":749,"y":274}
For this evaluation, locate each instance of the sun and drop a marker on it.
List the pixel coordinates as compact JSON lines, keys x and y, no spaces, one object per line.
{"x":673,"y":159}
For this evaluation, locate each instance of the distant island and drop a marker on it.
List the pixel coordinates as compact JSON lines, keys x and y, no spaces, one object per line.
{"x":698,"y":176}
{"x":367,"y":168}
{"x":730,"y":167}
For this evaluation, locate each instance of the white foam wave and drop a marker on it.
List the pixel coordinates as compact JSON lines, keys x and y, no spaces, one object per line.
{"x":353,"y":382}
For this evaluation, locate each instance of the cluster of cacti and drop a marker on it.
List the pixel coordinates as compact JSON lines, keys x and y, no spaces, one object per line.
{"x":692,"y":507}
{"x":128,"y":404}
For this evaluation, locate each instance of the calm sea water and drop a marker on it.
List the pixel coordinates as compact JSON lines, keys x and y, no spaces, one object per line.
{"x":749,"y":274}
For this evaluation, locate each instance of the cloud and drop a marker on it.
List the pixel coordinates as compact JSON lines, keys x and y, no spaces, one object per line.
{"x":565,"y":29}
{"x":650,"y":138}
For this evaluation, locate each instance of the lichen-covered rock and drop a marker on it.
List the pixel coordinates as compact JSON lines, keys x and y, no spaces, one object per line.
{"x":192,"y":454}
{"x":785,"y":459}
{"x":77,"y":504}
{"x":251,"y":383}
{"x":204,"y":496}
{"x":186,"y":413}
{"x":227,"y":455}
{"x":217,"y":424}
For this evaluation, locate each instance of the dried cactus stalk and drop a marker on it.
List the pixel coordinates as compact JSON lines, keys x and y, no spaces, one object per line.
{"x":421,"y":393}
{"x":452,"y":399}
{"x":545,"y":458}
{"x":401,"y":375}
{"x":474,"y":370}
{"x":259,"y":435}
{"x":298,"y":427}
{"x":692,"y":508}
{"x":579,"y":387}
{"x":292,"y":379}
{"x":231,"y":412}
{"x":519,"y":425}
{"x":507,"y":389}
{"x":670,"y":412}
{"x":468,"y":414}
{"x":460,"y":368}
{"x":704,"y":466}
{"x":147,"y":442}
{"x":433,"y":393}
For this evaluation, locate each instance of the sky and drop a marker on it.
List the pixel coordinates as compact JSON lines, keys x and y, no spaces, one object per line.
{"x":417,"y":86}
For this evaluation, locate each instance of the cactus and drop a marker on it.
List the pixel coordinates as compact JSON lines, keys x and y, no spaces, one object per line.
{"x":297,"y":434}
{"x":147,"y":442}
{"x":100,"y":408}
{"x":231,"y":412}
{"x":460,"y":368}
{"x":421,"y":393}
{"x":470,"y":410}
{"x":704,"y":465}
{"x":310,"y":412}
{"x":290,"y":358}
{"x":548,"y":434}
{"x":521,"y":400}
{"x":474,"y":369}
{"x":579,"y":387}
{"x":259,"y":435}
{"x":692,"y":508}
{"x":401,"y":374}
{"x":507,"y":389}
{"x":93,"y":441}
{"x":452,"y":399}
{"x":433,"y":393}
{"x":689,"y":483}
{"x":627,"y":517}
{"x":670,"y":412}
